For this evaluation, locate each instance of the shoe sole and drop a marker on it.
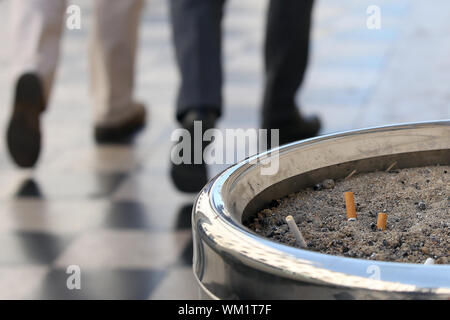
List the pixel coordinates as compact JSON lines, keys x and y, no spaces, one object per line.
{"x":24,"y":133}
{"x":120,"y":135}
{"x":189,"y":178}
{"x":294,"y":134}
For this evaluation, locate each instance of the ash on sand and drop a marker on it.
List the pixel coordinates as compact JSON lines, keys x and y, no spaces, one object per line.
{"x":417,"y":201}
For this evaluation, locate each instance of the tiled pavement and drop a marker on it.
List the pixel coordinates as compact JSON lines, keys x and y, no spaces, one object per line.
{"x":113,"y":210}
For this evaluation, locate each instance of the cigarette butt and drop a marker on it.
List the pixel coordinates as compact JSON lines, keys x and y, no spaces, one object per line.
{"x":350,"y":206}
{"x":391,"y":166}
{"x":350,"y":175}
{"x":429,"y":261}
{"x":296,"y":231}
{"x":381,"y":221}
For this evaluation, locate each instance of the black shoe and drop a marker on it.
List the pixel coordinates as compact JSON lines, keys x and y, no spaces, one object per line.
{"x":294,"y":128}
{"x":124,"y":132}
{"x":191,"y":177}
{"x":24,"y":133}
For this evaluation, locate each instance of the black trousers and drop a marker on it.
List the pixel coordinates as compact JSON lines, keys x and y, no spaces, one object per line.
{"x":197,"y":36}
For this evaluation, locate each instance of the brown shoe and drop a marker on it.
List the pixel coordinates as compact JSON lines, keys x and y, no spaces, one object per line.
{"x":122,"y":132}
{"x":24,"y":133}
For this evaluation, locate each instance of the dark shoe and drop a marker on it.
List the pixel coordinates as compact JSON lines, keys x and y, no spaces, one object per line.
{"x":294,"y":128}
{"x":24,"y":133}
{"x":122,"y":132}
{"x":191,"y":177}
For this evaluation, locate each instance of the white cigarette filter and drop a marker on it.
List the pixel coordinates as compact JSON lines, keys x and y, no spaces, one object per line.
{"x":296,"y":231}
{"x":429,"y":261}
{"x":391,"y":166}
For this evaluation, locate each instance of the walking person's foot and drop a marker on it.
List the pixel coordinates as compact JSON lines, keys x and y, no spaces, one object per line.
{"x":295,"y":127}
{"x":124,"y":131}
{"x":24,"y":134}
{"x":192,"y":177}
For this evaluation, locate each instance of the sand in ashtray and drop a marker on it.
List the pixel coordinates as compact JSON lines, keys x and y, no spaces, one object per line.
{"x":417,"y":201}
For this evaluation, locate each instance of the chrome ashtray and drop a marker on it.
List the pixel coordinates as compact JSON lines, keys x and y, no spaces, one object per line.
{"x":232,"y":262}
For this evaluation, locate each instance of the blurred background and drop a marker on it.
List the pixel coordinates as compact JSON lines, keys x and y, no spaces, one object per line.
{"x":112,"y":210}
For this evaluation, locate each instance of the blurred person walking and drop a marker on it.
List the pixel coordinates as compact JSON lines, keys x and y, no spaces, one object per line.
{"x":37,"y":28}
{"x":197,"y":35}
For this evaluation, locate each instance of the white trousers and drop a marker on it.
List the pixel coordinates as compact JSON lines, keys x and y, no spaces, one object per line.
{"x":37,"y":27}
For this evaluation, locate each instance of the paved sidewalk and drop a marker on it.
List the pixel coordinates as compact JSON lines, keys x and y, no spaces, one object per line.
{"x":113,"y":210}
